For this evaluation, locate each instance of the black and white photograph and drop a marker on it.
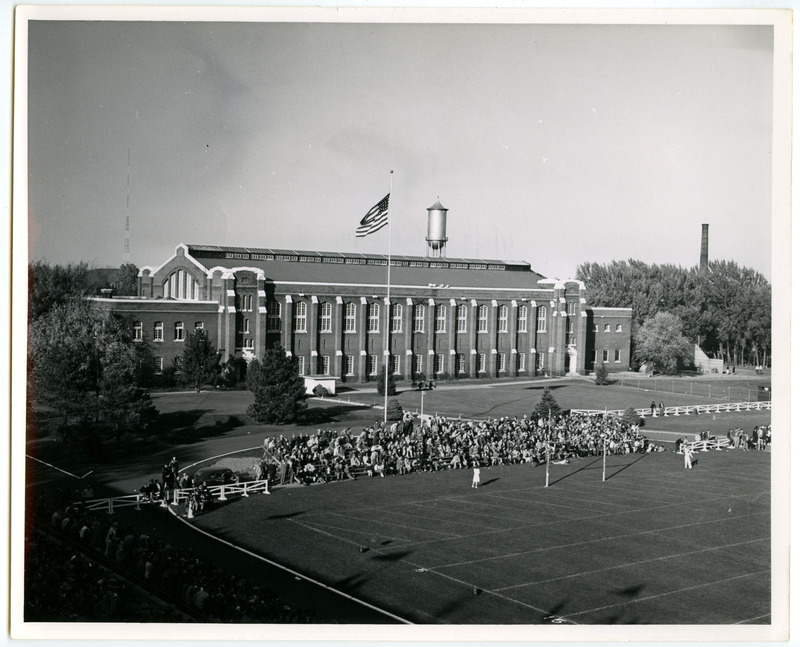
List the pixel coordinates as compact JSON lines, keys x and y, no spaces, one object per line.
{"x":400,"y":323}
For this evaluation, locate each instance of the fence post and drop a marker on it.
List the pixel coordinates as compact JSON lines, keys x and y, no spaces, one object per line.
{"x":222,"y":496}
{"x":138,"y":496}
{"x":266,"y":486}
{"x":244,"y":493}
{"x":110,"y":506}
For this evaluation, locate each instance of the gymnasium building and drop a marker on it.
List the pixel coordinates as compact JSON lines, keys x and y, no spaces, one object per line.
{"x":445,"y":317}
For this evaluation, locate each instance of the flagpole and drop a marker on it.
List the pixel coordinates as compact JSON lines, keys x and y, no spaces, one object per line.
{"x":387,"y":353}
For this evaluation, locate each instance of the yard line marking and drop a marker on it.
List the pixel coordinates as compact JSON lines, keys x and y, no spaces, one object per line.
{"x":638,"y":563}
{"x":666,"y":593}
{"x":75,"y":476}
{"x":588,"y":541}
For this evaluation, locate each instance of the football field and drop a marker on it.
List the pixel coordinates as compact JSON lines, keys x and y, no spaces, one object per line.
{"x":653,"y":544}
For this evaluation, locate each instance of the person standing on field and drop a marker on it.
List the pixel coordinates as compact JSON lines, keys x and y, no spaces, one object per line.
{"x":476,"y":476}
{"x":687,"y":457}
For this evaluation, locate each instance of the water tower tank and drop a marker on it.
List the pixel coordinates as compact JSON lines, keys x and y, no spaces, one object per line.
{"x":437,"y":229}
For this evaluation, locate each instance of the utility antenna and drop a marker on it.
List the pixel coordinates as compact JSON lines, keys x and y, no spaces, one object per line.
{"x":126,"y":253}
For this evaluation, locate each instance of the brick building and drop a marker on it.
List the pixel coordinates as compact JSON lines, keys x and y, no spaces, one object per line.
{"x":445,"y":317}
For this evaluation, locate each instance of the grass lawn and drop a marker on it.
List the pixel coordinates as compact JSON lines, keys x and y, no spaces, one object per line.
{"x":654,"y":544}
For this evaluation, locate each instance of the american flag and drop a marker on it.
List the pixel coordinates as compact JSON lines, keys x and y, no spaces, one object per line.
{"x":376,"y":218}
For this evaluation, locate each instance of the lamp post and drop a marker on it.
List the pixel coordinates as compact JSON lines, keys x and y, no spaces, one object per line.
{"x":421,"y":404}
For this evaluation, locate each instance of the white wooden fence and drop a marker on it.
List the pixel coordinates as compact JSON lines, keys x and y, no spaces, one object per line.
{"x":687,"y":410}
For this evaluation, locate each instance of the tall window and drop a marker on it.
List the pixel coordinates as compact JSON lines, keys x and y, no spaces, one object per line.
{"x":397,"y":318}
{"x":300,"y":317}
{"x":461,"y":317}
{"x":483,"y":319}
{"x":605,"y":355}
{"x":439,"y":363}
{"x":138,"y":331}
{"x":324,"y":365}
{"x":481,"y":363}
{"x":374,"y":318}
{"x":301,"y":365}
{"x":461,"y":363}
{"x":158,"y":331}
{"x":349,"y":365}
{"x":249,"y":343}
{"x":571,"y":326}
{"x":394,"y":364}
{"x":182,"y":286}
{"x":520,"y":362}
{"x":539,"y":361}
{"x":274,"y":316}
{"x":501,"y":362}
{"x":502,"y":319}
{"x":441,"y":318}
{"x":541,"y":319}
{"x":419,"y":318}
{"x":159,"y":361}
{"x":617,"y":355}
{"x":350,"y":317}
{"x":571,"y":308}
{"x":372,"y":365}
{"x":522,"y":319}
{"x":417,"y":364}
{"x":325,"y":318}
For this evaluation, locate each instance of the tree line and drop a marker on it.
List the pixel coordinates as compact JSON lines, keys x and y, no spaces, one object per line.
{"x":725,"y":309}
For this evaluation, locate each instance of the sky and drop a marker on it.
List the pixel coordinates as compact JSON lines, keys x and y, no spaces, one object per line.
{"x":550,"y":144}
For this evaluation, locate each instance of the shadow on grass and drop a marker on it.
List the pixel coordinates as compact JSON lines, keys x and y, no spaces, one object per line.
{"x":552,"y":387}
{"x":352,"y":583}
{"x":624,"y":467}
{"x":183,"y":426}
{"x":392,"y":557}
{"x":328,"y":413}
{"x":288,"y":515}
{"x":585,"y":467}
{"x":485,"y":483}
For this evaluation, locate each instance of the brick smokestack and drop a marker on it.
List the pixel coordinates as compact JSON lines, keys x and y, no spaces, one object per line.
{"x":704,"y":249}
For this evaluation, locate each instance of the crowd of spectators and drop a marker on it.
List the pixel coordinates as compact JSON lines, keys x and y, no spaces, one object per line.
{"x":87,"y":566}
{"x":403,"y":447}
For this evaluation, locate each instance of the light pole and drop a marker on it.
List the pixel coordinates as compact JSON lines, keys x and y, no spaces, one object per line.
{"x":421,"y":404}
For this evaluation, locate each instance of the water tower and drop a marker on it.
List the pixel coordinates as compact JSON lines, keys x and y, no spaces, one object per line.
{"x":437,"y":230}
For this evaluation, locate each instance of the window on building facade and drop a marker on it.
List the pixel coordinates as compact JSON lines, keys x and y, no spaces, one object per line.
{"x":462,"y":318}
{"x":520,"y":362}
{"x":159,"y":364}
{"x":617,"y":355}
{"x":596,"y":328}
{"x":274,"y":316}
{"x":502,"y":319}
{"x":246,"y":327}
{"x":539,"y":361}
{"x":181,"y":285}
{"x":419,"y":318}
{"x":441,"y":318}
{"x":605,"y":356}
{"x":349,"y":365}
{"x":199,"y":325}
{"x":522,"y":319}
{"x":619,"y":328}
{"x":461,"y":363}
{"x":374,"y":318}
{"x":483,"y":319}
{"x":300,"y":317}
{"x":481,"y":363}
{"x":501,"y":362}
{"x":372,"y":365}
{"x":138,"y":331}
{"x":350,"y":317}
{"x":301,"y":365}
{"x":394,"y":364}
{"x":249,"y":343}
{"x":572,"y":308}
{"x":158,"y":331}
{"x":607,"y":328}
{"x":325,"y":317}
{"x":397,"y":318}
{"x":439,"y":363}
{"x":571,"y":326}
{"x":324,"y":365}
{"x":541,"y":319}
{"x":417,"y":364}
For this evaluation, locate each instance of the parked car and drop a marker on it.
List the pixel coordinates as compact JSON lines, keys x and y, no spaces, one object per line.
{"x":214,"y":476}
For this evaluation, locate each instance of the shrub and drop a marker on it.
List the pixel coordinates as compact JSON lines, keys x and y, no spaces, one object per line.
{"x":630,"y":417}
{"x":391,"y":388}
{"x":601,"y":374}
{"x":394,"y":411}
{"x":320,"y":391}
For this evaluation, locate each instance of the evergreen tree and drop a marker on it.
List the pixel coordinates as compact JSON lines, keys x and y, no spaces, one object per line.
{"x":392,"y":390}
{"x":200,"y":359}
{"x":280,"y":393}
{"x":547,"y":407}
{"x":631,"y":418}
{"x":601,"y":374}
{"x":394,"y":411}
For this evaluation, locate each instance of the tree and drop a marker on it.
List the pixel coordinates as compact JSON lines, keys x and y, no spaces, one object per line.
{"x":394,"y":411}
{"x":127,"y":281}
{"x":392,"y":386}
{"x":547,"y":407}
{"x":280,"y":393}
{"x":200,"y":359}
{"x":660,"y":343}
{"x":601,"y":374}
{"x":630,"y":418}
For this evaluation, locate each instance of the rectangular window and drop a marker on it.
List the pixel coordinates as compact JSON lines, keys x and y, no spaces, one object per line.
{"x":617,"y":356}
{"x":439,"y":363}
{"x":441,"y":318}
{"x":417,"y":364}
{"x":571,"y":308}
{"x":482,"y":363}
{"x":246,"y":327}
{"x":397,"y":318}
{"x":301,"y":365}
{"x":394,"y":364}
{"x":325,"y":317}
{"x":273,"y":316}
{"x":138,"y":331}
{"x":159,"y":361}
{"x":522,"y":319}
{"x":539,"y":361}
{"x":502,"y":319}
{"x":324,"y":365}
{"x":605,"y":356}
{"x":541,"y":319}
{"x":520,"y":362}
{"x":374,"y":318}
{"x":349,"y":365}
{"x":419,"y":318}
{"x":571,"y":326}
{"x":501,"y":362}
{"x":300,"y":317}
{"x":199,"y":325}
{"x":350,"y":317}
{"x":158,"y":331}
{"x":461,"y":363}
{"x":483,"y":319}
{"x":372,"y":365}
{"x":462,"y":318}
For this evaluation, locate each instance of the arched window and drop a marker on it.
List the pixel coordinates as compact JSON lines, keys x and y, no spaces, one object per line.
{"x":181,"y":285}
{"x":374,"y":318}
{"x":441,"y":318}
{"x":541,"y":319}
{"x":522,"y":319}
{"x":461,"y":316}
{"x":300,"y":317}
{"x":350,"y":317}
{"x":325,"y":318}
{"x":502,"y":319}
{"x":274,"y":316}
{"x":419,"y":318}
{"x":397,"y":318}
{"x":483,"y":318}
